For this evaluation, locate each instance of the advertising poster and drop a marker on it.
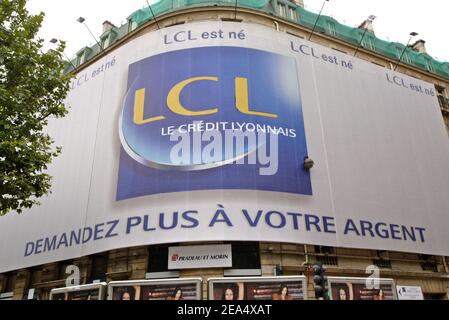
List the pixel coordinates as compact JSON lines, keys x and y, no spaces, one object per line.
{"x":206,"y":132}
{"x":279,"y":288}
{"x":362,"y":289}
{"x":84,"y":292}
{"x":206,"y":141}
{"x":185,"y":289}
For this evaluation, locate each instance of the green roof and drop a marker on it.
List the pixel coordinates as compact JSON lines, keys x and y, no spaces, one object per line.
{"x":326,"y":25}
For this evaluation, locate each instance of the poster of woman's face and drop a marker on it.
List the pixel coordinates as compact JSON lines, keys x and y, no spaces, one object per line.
{"x":341,"y":291}
{"x":258,"y":290}
{"x":161,"y":291}
{"x":349,"y":289}
{"x":124,"y":293}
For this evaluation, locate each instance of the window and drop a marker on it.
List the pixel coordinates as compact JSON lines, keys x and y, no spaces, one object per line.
{"x":435,"y":296}
{"x":108,"y":38}
{"x":177,"y":3}
{"x":444,"y":104}
{"x":382,"y":260}
{"x":293,"y":14}
{"x":428,"y":263}
{"x":430,"y":65}
{"x":35,"y":275}
{"x":368,"y":43}
{"x":405,"y":55}
{"x":105,"y":42}
{"x":282,"y":10}
{"x":382,"y":263}
{"x":245,"y":255}
{"x":331,"y":28}
{"x":10,"y":282}
{"x":7,"y":286}
{"x":440,"y":91}
{"x":63,"y":269}
{"x":82,"y":56}
{"x":132,"y":25}
{"x":441,"y":94}
{"x":99,"y":267}
{"x":326,"y":255}
{"x":158,"y":258}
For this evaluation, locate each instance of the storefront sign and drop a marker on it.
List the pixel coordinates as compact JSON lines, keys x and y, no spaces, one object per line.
{"x":409,"y":293}
{"x":214,"y":256}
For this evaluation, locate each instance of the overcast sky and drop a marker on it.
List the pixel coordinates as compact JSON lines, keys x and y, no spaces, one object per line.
{"x":395,"y":19}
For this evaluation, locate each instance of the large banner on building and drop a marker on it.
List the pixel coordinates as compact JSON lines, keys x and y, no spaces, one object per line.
{"x":207,"y":132}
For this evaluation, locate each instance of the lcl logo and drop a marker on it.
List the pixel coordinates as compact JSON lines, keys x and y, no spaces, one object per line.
{"x":212,"y":118}
{"x":174,"y":102}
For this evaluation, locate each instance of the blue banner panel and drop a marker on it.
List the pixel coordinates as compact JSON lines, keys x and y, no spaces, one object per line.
{"x":212,"y":118}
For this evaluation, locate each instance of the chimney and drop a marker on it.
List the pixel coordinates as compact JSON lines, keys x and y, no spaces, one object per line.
{"x":368,"y":25}
{"x":419,"y":46}
{"x":107,"y":26}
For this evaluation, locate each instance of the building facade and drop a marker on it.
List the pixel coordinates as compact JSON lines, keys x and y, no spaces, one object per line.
{"x":254,"y":258}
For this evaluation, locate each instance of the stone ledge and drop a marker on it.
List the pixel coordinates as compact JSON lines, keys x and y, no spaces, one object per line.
{"x":118,"y":276}
{"x":384,"y":273}
{"x":50,"y":284}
